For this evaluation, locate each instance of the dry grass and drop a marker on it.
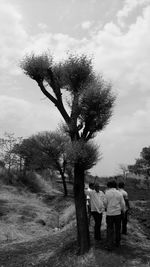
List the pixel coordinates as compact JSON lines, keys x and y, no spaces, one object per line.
{"x":72,"y":260}
{"x":67,"y":216}
{"x":24,"y":216}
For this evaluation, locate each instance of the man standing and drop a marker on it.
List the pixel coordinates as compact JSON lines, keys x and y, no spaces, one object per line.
{"x":114,"y":204}
{"x":124,"y":217}
{"x":88,"y":201}
{"x":97,"y":200}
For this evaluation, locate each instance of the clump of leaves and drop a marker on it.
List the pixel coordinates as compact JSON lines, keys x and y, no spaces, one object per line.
{"x":86,"y":154}
{"x":36,"y":66}
{"x":77,"y":72}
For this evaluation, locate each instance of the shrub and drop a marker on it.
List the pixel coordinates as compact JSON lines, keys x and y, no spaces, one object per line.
{"x":34,"y":182}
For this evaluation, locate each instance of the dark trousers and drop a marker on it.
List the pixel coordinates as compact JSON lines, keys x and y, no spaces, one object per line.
{"x":113,"y":230}
{"x":89,"y":213}
{"x":124,"y":220}
{"x":97,"y":227}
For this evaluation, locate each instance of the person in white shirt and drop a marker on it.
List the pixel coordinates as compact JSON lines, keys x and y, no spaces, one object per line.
{"x":88,"y":201}
{"x":124,"y":218}
{"x":114,"y":204}
{"x":97,"y":200}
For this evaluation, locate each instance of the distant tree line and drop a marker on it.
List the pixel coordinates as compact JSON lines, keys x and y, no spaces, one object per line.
{"x":142,"y":164}
{"x":45,"y":150}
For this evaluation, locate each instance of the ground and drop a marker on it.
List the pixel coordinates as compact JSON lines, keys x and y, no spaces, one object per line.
{"x":40,"y":230}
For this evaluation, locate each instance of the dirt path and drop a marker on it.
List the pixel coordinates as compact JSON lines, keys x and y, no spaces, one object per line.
{"x":134,"y":250}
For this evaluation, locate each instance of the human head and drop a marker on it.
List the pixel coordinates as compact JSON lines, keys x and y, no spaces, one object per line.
{"x":97,"y":188}
{"x":112,"y":184}
{"x":91,"y":186}
{"x":121,"y":184}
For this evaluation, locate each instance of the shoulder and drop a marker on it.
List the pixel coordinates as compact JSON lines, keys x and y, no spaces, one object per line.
{"x":87,"y":191}
{"x":124,"y":193}
{"x":91,"y":192}
{"x":108,"y":192}
{"x":118,"y":192}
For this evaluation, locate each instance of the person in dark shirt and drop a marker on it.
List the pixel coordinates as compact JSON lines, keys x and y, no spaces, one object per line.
{"x":124,"y":217}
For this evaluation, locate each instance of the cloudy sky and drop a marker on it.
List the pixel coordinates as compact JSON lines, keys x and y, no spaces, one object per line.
{"x":116,"y":33}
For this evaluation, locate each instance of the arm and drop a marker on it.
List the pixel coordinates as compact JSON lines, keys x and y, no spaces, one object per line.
{"x":105,"y":202}
{"x":122,"y":203}
{"x":127,"y":201}
{"x":104,"y":199}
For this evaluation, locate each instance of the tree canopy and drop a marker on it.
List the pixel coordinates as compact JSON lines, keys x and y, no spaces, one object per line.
{"x":142,"y":164}
{"x":91,"y":97}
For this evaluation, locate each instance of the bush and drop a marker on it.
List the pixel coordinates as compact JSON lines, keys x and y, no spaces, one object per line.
{"x":30,"y":181}
{"x":8,"y":178}
{"x":34,"y":182}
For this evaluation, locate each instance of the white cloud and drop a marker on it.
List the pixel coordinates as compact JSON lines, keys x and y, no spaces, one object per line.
{"x":57,"y":44}
{"x":123,"y":140}
{"x":137,"y":124}
{"x":24,"y":118}
{"x":86,"y":24}
{"x":42,"y":26}
{"x":123,"y":57}
{"x":13,"y":36}
{"x":93,"y":1}
{"x":128,"y":7}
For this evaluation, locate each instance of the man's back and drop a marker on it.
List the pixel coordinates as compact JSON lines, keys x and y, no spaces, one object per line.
{"x":97,"y":201}
{"x":114,"y":202}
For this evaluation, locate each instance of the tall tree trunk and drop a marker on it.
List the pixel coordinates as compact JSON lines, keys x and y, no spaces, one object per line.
{"x":64,"y":184}
{"x":20,"y":164}
{"x":81,"y":214}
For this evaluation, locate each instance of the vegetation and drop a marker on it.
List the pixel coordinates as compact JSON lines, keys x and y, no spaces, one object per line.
{"x":46,"y":150}
{"x":39,"y":230}
{"x":142,"y":164}
{"x":91,"y":102}
{"x":37,"y":227}
{"x":9,"y":159}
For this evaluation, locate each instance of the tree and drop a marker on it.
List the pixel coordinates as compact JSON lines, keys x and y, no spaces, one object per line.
{"x":90,"y":107}
{"x":124,"y":169}
{"x":139,"y":167}
{"x":142,"y":164}
{"x":2,"y":164}
{"x":53,"y":145}
{"x":29,"y":155}
{"x":45,"y":150}
{"x":145,"y":155}
{"x":7,"y":155}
